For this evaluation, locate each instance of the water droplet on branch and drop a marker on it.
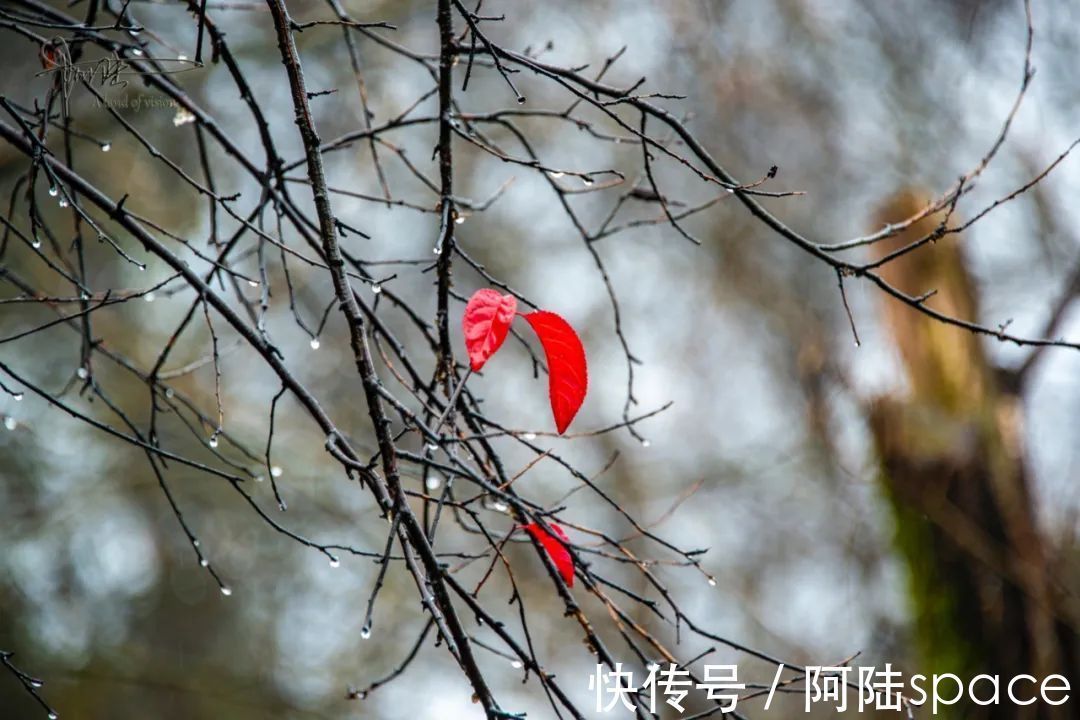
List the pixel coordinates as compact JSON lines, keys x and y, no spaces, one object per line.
{"x":183,"y":116}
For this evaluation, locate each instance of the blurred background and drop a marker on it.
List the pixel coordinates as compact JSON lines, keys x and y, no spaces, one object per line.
{"x":100,"y":592}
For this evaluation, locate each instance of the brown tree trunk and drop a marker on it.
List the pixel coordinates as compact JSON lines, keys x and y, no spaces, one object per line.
{"x":953,"y":466}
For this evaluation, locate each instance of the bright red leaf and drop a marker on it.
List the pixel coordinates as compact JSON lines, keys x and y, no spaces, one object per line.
{"x":555,"y":549}
{"x":568,"y":374}
{"x":486,"y":322}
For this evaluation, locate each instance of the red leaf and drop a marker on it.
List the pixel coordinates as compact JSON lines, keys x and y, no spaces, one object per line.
{"x":568,"y":375}
{"x":555,"y":549}
{"x":486,"y":322}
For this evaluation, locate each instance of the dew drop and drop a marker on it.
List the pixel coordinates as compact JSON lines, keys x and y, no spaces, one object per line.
{"x":646,"y":443}
{"x":365,"y":632}
{"x":10,"y":423}
{"x":136,"y":52}
{"x":53,"y":716}
{"x":183,"y":116}
{"x":433,"y":482}
{"x":170,"y":393}
{"x":253,"y":283}
{"x":275,"y":471}
{"x":36,"y":243}
{"x":36,"y":683}
{"x":314,"y":343}
{"x":106,"y":147}
{"x":82,"y":373}
{"x":516,"y":664}
{"x":459,"y":220}
{"x":334,"y":562}
{"x":226,"y":590}
{"x":431,"y":447}
{"x":204,"y":562}
{"x":84,"y":296}
{"x":213,"y":441}
{"x":181,"y":57}
{"x":712,"y":582}
{"x":149,"y":297}
{"x":259,"y":478}
{"x":18,"y":397}
{"x":376,"y":288}
{"x":54,"y":191}
{"x":529,"y":436}
{"x":557,"y":174}
{"x":438,"y":250}
{"x":586,"y":180}
{"x":195,"y":542}
{"x":63,"y":202}
{"x":521,"y":99}
{"x":499,"y":506}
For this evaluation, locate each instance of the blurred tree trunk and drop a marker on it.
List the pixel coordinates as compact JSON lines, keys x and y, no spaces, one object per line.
{"x":953,"y":467}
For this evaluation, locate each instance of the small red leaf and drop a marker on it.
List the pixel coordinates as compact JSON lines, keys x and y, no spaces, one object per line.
{"x":568,"y":374}
{"x":486,"y":322}
{"x":555,"y":549}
